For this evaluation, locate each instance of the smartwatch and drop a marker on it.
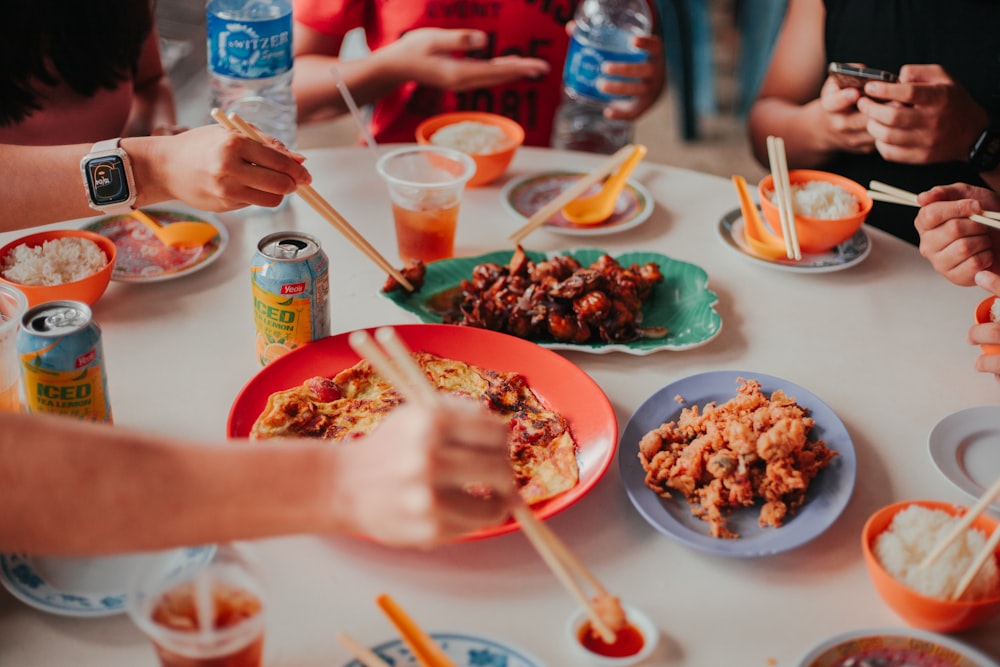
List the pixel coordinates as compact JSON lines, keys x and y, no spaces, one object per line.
{"x":107,"y":175}
{"x":985,"y":153}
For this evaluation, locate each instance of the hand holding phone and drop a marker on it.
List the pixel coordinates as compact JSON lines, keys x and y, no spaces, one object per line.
{"x":855,"y":76}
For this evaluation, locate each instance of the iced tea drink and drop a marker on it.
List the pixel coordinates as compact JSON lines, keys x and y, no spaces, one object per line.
{"x":13,"y":305}
{"x":211,"y":617}
{"x":425,"y":186}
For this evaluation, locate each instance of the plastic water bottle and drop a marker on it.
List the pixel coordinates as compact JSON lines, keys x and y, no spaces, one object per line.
{"x":603,"y":32}
{"x":250,"y":63}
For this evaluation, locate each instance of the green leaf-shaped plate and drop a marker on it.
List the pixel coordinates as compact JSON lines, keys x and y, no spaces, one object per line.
{"x":682,"y":302}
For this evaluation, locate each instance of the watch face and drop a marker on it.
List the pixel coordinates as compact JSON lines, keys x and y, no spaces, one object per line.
{"x":106,"y":180}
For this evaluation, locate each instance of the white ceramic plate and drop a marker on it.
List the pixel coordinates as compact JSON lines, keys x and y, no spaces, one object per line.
{"x":847,"y":254}
{"x":142,"y":258}
{"x":19,"y":576}
{"x":464,"y":651}
{"x":892,"y":647}
{"x":965,"y":447}
{"x":522,"y":197}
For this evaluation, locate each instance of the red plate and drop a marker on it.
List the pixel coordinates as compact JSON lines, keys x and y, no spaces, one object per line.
{"x":559,"y":383}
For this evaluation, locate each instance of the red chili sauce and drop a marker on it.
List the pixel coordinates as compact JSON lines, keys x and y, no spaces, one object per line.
{"x":628,"y":641}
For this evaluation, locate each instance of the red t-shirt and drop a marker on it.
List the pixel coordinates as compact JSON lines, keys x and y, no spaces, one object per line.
{"x":67,"y":117}
{"x":514,"y":27}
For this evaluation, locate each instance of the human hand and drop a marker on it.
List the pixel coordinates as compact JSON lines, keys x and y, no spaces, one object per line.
{"x":987,"y":333}
{"x":407,"y":483}
{"x":215,"y":169}
{"x":956,"y":246}
{"x":427,"y":56}
{"x":844,"y":127}
{"x":925,"y":117}
{"x":647,"y":80}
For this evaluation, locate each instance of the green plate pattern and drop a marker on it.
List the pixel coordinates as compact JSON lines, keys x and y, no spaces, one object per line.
{"x":682,"y":302}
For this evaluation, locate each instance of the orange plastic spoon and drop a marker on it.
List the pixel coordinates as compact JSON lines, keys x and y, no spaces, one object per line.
{"x":183,"y":234}
{"x":761,"y":241}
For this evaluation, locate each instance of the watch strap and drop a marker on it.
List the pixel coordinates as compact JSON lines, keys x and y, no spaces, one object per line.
{"x":985,"y":153}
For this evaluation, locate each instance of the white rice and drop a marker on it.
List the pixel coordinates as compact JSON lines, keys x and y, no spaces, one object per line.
{"x":54,"y":262}
{"x":995,"y":311}
{"x":819,"y":199}
{"x":470,"y":136}
{"x":913,"y":533}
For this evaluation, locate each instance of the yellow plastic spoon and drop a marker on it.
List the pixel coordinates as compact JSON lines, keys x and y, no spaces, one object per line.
{"x":182,"y":234}
{"x":598,"y":207}
{"x":761,"y":241}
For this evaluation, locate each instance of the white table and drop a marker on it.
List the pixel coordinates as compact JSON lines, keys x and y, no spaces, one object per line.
{"x":882,"y":343}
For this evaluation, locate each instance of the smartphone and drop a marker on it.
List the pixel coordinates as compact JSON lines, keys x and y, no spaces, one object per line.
{"x":854,"y":76}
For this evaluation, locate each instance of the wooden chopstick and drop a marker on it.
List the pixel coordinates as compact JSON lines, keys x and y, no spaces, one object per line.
{"x":365,"y":655}
{"x":572,"y":192}
{"x":394,"y":362}
{"x":783,"y":196}
{"x":323,"y":207}
{"x":892,"y":195}
{"x":960,"y":527}
{"x":425,"y":649}
{"x":988,"y":551}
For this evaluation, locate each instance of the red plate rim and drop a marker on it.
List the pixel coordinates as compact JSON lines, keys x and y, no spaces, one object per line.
{"x":558,"y":382}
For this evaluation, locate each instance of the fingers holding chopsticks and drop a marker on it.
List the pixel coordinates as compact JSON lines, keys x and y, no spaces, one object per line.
{"x":952,"y":237}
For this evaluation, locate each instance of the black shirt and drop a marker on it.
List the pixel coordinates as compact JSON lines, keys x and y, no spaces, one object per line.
{"x":963,"y":36}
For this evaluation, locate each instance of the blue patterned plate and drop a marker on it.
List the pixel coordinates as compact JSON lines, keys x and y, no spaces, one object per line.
{"x":19,"y":576}
{"x":682,"y":302}
{"x":851,"y":252}
{"x":464,"y":651}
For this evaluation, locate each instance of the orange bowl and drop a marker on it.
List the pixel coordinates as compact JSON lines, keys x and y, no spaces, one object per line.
{"x":816,"y":235}
{"x":918,"y":610}
{"x":982,"y":317}
{"x":489,"y":166}
{"x":88,"y":289}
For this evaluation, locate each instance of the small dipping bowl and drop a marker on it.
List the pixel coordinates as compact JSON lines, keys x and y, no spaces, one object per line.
{"x":918,"y":610}
{"x":983,"y":317}
{"x":579,"y":623}
{"x":489,"y":166}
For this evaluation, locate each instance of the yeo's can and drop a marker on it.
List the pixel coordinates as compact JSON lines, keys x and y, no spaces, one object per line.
{"x":62,"y":361}
{"x":290,"y":279}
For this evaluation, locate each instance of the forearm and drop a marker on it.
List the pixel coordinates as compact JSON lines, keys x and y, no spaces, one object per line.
{"x":316,"y":93}
{"x":75,"y":488}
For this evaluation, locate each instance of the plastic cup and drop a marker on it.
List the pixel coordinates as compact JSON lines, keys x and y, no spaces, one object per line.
{"x":212,"y":617}
{"x":425,"y":186}
{"x":13,"y":304}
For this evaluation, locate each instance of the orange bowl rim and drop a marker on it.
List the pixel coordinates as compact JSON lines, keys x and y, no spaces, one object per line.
{"x":796,"y":176}
{"x":511,"y":127}
{"x":106,"y":245}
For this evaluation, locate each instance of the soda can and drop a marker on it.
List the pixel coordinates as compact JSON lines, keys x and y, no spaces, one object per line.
{"x":290,"y":281}
{"x":62,"y":361}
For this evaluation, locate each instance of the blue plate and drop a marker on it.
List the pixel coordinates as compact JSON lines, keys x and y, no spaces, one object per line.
{"x":19,"y":576}
{"x":682,"y":303}
{"x":464,"y":651}
{"x":826,"y":498}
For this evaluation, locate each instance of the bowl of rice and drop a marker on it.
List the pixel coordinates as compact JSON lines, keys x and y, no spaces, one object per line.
{"x":829,"y":209}
{"x":895,"y":541}
{"x":488,"y":138}
{"x":988,"y":310}
{"x":71,"y":264}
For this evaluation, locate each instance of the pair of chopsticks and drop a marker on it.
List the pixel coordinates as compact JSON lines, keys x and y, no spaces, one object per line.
{"x":394,"y":363}
{"x":572,"y":192}
{"x":237,"y":124}
{"x":988,"y":550}
{"x":427,"y":652}
{"x":880,"y":191}
{"x":425,"y":649}
{"x":783,"y":196}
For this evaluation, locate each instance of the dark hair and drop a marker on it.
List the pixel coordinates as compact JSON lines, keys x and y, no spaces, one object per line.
{"x":86,"y":45}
